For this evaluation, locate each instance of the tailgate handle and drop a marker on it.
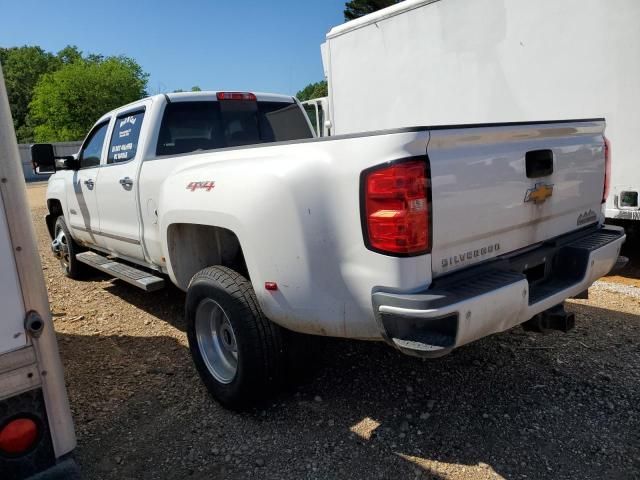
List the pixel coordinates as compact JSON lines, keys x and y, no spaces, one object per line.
{"x":539,"y":163}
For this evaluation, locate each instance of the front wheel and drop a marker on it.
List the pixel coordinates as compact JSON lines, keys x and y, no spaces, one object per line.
{"x":237,"y":351}
{"x":65,"y":249}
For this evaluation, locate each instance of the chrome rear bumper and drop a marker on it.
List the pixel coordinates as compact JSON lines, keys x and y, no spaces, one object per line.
{"x":479,"y":301}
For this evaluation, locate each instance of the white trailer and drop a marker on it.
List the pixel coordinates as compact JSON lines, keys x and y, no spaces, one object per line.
{"x":36,"y":429}
{"x":440,"y":62}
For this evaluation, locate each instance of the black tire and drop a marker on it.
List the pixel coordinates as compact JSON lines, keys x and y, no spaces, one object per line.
{"x":71,"y":267}
{"x":258,"y":341}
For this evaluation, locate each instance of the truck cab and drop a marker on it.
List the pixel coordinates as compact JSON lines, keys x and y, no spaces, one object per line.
{"x":100,"y":195}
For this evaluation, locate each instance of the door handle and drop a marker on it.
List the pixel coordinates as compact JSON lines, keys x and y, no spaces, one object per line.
{"x":126,"y":182}
{"x":89,"y":183}
{"x":539,"y":163}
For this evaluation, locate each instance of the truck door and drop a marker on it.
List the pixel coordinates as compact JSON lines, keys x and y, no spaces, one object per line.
{"x":117,"y":190}
{"x":83,"y":217}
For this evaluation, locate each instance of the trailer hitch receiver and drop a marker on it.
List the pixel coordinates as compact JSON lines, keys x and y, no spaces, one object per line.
{"x":556,"y":318}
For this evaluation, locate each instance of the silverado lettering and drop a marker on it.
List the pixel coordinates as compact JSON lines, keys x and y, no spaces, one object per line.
{"x":470,"y":255}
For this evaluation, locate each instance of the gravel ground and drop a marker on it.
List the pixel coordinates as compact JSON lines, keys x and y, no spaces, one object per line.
{"x":515,"y":405}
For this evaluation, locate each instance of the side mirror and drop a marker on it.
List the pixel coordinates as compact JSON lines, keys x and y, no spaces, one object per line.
{"x":70,"y":162}
{"x":43,"y":158}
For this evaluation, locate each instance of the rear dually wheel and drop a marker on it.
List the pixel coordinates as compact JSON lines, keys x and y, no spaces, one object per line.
{"x":236,"y":350}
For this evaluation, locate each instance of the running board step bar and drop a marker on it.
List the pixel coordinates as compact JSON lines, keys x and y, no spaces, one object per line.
{"x":139,"y":278}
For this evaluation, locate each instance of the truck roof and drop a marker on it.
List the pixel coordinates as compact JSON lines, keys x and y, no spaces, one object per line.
{"x":209,"y":95}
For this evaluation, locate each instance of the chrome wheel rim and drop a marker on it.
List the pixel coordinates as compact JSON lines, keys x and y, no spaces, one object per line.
{"x":60,"y":248}
{"x":216,"y":341}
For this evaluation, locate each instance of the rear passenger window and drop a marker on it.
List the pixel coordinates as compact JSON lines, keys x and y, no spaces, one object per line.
{"x":124,"y":140}
{"x":190,"y":126}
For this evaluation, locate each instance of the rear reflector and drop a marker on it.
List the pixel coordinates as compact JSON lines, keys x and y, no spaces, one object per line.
{"x":607,"y":169}
{"x":18,"y":436}
{"x":396,"y":208}
{"x":236,"y":96}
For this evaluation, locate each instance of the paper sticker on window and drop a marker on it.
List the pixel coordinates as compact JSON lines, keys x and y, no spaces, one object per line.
{"x":124,"y":140}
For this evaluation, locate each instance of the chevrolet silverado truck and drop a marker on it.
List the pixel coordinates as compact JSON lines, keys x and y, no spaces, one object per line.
{"x":426,"y":238}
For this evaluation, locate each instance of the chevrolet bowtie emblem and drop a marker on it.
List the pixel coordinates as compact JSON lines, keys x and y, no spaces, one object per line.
{"x":539,"y":193}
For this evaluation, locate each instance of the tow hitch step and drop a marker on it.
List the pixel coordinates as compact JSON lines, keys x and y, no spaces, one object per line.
{"x":139,"y":278}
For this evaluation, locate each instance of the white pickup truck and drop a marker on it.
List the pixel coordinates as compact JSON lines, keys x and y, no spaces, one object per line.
{"x":427,"y":238}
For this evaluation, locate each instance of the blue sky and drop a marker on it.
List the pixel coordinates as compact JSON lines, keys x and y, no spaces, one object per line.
{"x":271,"y":46}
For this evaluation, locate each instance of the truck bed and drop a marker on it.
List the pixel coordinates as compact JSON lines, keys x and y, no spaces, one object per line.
{"x":309,"y":214}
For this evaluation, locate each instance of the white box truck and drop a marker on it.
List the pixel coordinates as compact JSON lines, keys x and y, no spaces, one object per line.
{"x":36,"y":429}
{"x":442,"y":62}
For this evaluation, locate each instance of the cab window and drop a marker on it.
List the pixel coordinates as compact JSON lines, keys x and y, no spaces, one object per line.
{"x":92,"y":149}
{"x":124,"y":139}
{"x":206,"y":125}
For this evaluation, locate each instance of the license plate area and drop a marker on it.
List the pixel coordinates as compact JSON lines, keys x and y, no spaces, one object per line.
{"x":537,"y":266}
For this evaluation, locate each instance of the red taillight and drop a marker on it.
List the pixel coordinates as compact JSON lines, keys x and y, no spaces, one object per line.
{"x":18,"y":436}
{"x":397,"y":209}
{"x":607,"y":169}
{"x":236,"y":96}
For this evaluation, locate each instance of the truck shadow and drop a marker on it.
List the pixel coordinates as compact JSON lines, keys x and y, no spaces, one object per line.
{"x":515,"y":404}
{"x":166,"y":304}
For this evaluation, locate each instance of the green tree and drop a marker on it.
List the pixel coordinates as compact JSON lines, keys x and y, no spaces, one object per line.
{"x":358,"y":8}
{"x":69,"y":54}
{"x":22,"y":68}
{"x":313,"y":90}
{"x":68,"y":101}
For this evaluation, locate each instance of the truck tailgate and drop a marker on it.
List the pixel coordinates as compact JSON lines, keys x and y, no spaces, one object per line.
{"x":501,"y":188}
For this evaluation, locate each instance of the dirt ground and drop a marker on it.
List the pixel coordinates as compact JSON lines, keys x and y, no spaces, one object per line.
{"x":515,"y":405}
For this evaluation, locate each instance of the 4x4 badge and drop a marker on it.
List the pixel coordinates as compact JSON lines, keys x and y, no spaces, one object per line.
{"x":539,"y":193}
{"x":207,"y":185}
